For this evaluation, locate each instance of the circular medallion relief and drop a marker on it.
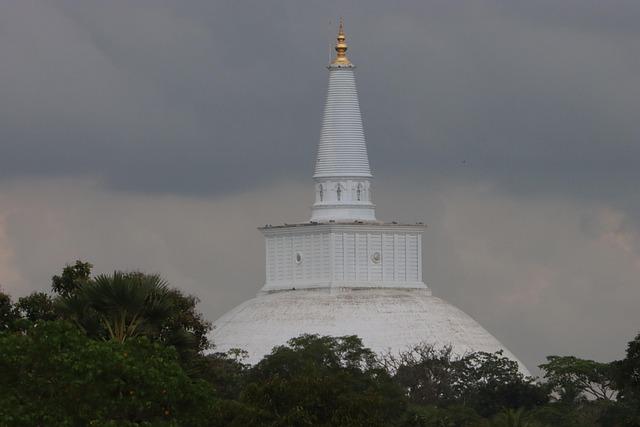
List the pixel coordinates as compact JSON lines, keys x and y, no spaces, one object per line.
{"x":376,"y":257}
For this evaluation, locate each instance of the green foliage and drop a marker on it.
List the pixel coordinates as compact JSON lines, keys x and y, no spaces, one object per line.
{"x":54,"y":375}
{"x":125,"y":305}
{"x":559,"y":415}
{"x":629,"y":370}
{"x":451,"y":416}
{"x":225,"y":372}
{"x":132,"y":354}
{"x":485,"y":382}
{"x":184,"y":327}
{"x":323,"y":381}
{"x":575,"y":379}
{"x":513,"y":418}
{"x":8,"y":315}
{"x":491,"y":382}
{"x":627,"y":373}
{"x":36,"y":306}
{"x":428,"y":374}
{"x":73,"y":278}
{"x":495,"y":397}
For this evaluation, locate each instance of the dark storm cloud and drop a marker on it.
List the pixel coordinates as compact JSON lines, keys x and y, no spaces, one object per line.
{"x":181,"y":96}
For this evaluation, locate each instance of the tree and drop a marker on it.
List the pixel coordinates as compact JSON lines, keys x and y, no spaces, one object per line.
{"x":449,"y":416}
{"x":8,"y":315}
{"x":627,"y":376}
{"x":185,"y":326}
{"x":628,"y":370}
{"x":225,"y":371}
{"x":36,"y":306}
{"x":491,"y":382}
{"x":73,"y":278}
{"x":561,"y":415}
{"x":54,"y":375}
{"x":427,"y":373}
{"x":513,"y":418}
{"x":323,"y":381}
{"x":574,"y":379}
{"x":39,"y":305}
{"x":125,"y":305}
{"x":486,"y":382}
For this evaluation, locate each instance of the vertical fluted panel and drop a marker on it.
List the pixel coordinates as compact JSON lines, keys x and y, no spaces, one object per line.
{"x":342,"y":150}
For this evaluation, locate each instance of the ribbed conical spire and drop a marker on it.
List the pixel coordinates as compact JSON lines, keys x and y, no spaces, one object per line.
{"x":342,"y":150}
{"x":342,"y":168}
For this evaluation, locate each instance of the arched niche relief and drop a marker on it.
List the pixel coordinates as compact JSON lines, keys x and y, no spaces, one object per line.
{"x":339,"y":191}
{"x":321,"y":192}
{"x":359,"y":192}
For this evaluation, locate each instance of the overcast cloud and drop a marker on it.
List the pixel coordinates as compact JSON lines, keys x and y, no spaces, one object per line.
{"x":159,"y":134}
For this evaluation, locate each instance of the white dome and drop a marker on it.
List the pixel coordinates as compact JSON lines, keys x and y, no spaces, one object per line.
{"x":386,"y":320}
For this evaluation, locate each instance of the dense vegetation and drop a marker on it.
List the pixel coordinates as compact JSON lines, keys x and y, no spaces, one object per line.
{"x":126,"y":349}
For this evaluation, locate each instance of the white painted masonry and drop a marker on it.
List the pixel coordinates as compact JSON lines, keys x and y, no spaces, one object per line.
{"x":337,"y":255}
{"x":344,"y":272}
{"x":342,"y":175}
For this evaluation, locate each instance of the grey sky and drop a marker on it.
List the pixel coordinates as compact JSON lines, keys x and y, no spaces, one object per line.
{"x":148,"y":134}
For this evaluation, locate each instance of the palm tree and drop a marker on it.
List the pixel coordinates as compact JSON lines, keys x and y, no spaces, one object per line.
{"x":121,"y":305}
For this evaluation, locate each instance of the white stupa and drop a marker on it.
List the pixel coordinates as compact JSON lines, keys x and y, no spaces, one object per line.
{"x":343,"y":272}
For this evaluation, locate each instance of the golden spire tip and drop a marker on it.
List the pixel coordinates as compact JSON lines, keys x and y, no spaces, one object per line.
{"x":341,"y":47}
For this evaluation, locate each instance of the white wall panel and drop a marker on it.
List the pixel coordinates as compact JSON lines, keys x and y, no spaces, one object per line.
{"x":361,"y":258}
{"x":388,"y":260}
{"x":375,"y":246}
{"x":412,"y":258}
{"x":349,"y":256}
{"x":338,"y":256}
{"x":334,"y":256}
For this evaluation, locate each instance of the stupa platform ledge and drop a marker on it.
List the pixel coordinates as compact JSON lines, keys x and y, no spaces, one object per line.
{"x":342,"y":286}
{"x":340,"y":66}
{"x":342,"y":223}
